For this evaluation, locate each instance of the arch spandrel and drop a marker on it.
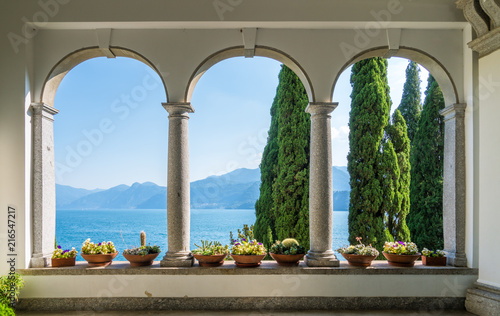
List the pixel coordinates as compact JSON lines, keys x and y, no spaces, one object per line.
{"x":239,"y":51}
{"x":59,"y":71}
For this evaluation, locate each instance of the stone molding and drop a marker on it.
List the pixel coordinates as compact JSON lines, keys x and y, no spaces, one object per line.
{"x":483,"y":299}
{"x":475,"y":15}
{"x":321,"y":108}
{"x":178,"y":109}
{"x":492,"y":9}
{"x":453,"y":111}
{"x":484,"y":16}
{"x":487,"y":43}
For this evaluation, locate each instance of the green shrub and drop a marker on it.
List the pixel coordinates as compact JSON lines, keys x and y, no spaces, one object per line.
{"x":10,"y":286}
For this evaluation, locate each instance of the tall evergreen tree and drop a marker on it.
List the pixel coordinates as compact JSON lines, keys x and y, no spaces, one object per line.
{"x":426,"y":190}
{"x":369,"y":116}
{"x":282,"y":209}
{"x":264,"y":212}
{"x":291,"y":188}
{"x":396,"y":216}
{"x":410,"y":105}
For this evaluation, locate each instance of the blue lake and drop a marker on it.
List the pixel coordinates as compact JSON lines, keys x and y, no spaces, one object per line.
{"x":73,"y":227}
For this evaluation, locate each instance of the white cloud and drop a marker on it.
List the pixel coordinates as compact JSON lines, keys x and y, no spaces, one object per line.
{"x":341,"y":133}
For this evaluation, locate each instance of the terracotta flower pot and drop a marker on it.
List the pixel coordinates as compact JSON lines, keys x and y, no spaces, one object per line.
{"x":140,"y":261}
{"x":287,"y":260}
{"x":433,"y":261}
{"x":101,"y":260}
{"x":247,"y":261}
{"x":401,"y":260}
{"x":359,"y":260}
{"x":210,"y":261}
{"x":63,"y":262}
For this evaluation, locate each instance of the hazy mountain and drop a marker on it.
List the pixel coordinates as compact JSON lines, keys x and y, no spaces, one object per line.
{"x":66,"y":194}
{"x":236,"y":189}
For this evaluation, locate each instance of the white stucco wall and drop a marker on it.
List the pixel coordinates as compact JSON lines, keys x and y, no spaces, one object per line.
{"x":489,"y":169}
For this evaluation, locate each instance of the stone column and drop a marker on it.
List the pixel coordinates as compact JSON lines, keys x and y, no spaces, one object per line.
{"x":43,"y":214}
{"x":454,"y":184}
{"x":321,"y":188}
{"x":178,"y":206}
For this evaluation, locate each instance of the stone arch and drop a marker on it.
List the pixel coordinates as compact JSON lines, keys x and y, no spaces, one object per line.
{"x":238,"y":51}
{"x":59,"y":71}
{"x":440,"y":73}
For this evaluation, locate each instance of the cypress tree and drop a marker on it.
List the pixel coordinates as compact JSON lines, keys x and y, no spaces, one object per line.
{"x":410,"y":105}
{"x":426,"y":190}
{"x":369,"y":116}
{"x":291,"y":188}
{"x":264,"y":213}
{"x":396,"y":216}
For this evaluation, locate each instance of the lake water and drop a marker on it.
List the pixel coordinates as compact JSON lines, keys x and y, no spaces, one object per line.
{"x":73,"y":227}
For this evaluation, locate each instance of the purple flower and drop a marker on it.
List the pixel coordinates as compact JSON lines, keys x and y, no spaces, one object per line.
{"x":65,"y":251}
{"x":394,"y":246}
{"x":237,"y":244}
{"x":59,"y":247}
{"x":401,"y":243}
{"x":260,"y":244}
{"x":243,"y":239}
{"x":99,"y":244}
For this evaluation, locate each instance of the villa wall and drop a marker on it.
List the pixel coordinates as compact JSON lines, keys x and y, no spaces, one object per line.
{"x":489,"y":165}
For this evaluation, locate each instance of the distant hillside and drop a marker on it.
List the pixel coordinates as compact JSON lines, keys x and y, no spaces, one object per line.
{"x":238,"y":189}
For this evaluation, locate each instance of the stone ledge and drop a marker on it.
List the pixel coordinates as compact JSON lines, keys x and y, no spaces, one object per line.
{"x":257,"y":305}
{"x":267,"y":268}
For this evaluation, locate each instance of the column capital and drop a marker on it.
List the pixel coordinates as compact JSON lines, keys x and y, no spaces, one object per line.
{"x":40,"y":108}
{"x":321,"y":108}
{"x":451,"y":111}
{"x":178,"y":109}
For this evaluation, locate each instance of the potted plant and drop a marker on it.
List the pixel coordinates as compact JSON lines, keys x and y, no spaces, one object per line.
{"x":433,"y":257}
{"x":98,"y":255}
{"x":210,"y":254}
{"x":400,"y":253}
{"x":359,"y":255}
{"x":287,"y":252}
{"x":246,"y":251}
{"x":63,"y":258}
{"x":143,"y":255}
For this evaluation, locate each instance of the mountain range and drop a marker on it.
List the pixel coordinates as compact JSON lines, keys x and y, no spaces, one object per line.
{"x":238,"y":189}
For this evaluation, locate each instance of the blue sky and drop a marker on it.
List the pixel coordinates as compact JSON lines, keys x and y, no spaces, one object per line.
{"x":111,"y":128}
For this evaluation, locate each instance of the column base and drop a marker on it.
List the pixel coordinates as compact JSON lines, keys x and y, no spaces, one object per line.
{"x":456,"y":259}
{"x":483,"y":299}
{"x":177,"y":259}
{"x":40,"y":261}
{"x":321,"y":259}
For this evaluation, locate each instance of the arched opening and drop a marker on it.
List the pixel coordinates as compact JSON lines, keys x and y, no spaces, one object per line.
{"x":101,"y":115}
{"x":340,"y":136}
{"x":227,"y":134}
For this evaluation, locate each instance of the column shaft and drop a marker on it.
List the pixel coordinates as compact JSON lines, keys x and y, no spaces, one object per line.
{"x":44,"y":185}
{"x":321,"y":188}
{"x":178,"y":190}
{"x":454,"y":184}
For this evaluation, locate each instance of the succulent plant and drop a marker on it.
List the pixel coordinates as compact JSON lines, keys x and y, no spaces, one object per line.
{"x":143,"y":239}
{"x":288,"y":246}
{"x":289,"y":242}
{"x":209,"y":248}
